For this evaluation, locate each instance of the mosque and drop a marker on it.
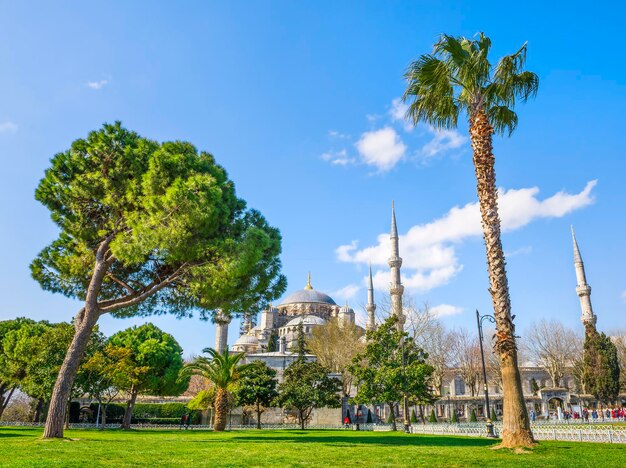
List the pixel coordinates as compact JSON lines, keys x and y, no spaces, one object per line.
{"x":273,"y":339}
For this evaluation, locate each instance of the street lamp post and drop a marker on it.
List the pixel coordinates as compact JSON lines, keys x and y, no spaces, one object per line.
{"x":479,"y":321}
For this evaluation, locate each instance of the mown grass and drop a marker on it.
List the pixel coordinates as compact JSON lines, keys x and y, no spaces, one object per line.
{"x":24,"y":447}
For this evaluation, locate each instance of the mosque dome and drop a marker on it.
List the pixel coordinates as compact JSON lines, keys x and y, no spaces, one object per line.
{"x":308,"y":295}
{"x":306,"y":320}
{"x":247,"y":340}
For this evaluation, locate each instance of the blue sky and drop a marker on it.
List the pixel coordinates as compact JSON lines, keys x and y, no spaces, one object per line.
{"x":297,"y":101}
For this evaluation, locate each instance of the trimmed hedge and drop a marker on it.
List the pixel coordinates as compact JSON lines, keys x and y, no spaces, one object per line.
{"x":148,"y":413}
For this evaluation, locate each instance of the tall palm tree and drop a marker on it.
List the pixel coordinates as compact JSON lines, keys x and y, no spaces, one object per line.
{"x":458,"y":78}
{"x":224,"y":370}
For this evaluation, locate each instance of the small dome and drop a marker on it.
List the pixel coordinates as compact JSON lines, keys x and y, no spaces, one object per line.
{"x":306,"y":320}
{"x":346,"y":309}
{"x":247,"y":340}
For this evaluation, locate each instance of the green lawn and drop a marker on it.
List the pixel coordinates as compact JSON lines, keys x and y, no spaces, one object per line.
{"x":24,"y":447}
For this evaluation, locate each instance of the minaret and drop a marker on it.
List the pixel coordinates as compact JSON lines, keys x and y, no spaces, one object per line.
{"x":221,"y":330}
{"x":395,"y":262}
{"x":588,"y":318}
{"x":371,"y":306}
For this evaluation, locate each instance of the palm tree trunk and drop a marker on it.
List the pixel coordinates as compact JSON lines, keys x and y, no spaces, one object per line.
{"x":221,"y":409}
{"x":515,"y":425}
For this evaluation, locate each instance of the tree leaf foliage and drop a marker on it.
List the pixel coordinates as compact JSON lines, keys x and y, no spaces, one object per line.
{"x":458,"y":77}
{"x":178,"y":237}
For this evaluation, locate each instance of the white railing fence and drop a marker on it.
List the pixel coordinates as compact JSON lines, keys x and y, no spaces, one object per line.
{"x":543,"y":431}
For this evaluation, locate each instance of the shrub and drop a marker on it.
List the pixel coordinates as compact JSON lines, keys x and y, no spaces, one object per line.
{"x":390,"y":417}
{"x":74,"y":412}
{"x":494,"y":416}
{"x":473,"y":416}
{"x":455,"y":417}
{"x":413,"y":417}
{"x":433,"y":417}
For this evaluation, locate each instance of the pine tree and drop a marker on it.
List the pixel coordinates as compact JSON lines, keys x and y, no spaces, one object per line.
{"x":473,"y":416}
{"x":301,"y":348}
{"x":413,"y":416}
{"x":369,"y":417}
{"x":600,"y":367}
{"x":455,"y":417}
{"x":494,"y":416}
{"x":433,"y":417}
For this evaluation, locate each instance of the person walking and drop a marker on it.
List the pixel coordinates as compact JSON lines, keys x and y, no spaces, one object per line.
{"x":188,"y":421}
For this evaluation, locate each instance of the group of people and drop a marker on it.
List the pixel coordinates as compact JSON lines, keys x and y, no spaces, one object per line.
{"x":617,"y":414}
{"x":603,"y":414}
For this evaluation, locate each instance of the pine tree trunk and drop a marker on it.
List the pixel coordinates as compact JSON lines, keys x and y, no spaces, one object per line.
{"x":221,"y":409}
{"x":38,"y":410}
{"x":516,"y":425}
{"x":84,"y":323}
{"x":4,"y":401}
{"x":128,"y":414}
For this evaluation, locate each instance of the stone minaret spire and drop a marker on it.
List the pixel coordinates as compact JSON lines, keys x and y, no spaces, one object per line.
{"x":588,"y":318}
{"x":371,"y":306}
{"x":395,"y":262}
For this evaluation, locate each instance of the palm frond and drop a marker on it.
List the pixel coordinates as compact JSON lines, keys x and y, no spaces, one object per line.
{"x":458,"y":76}
{"x":502,"y":119}
{"x":453,"y":50}
{"x":430,"y":92}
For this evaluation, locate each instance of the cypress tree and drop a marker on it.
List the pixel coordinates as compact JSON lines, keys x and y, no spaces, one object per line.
{"x":494,"y":416}
{"x":455,"y":417}
{"x":473,"y":416}
{"x":413,"y":417}
{"x":433,"y":417}
{"x":600,"y":366}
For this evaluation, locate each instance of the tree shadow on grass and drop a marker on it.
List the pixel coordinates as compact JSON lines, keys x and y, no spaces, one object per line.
{"x":15,"y":434}
{"x":387,"y":440}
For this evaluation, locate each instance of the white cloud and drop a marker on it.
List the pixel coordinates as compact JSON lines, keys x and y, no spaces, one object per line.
{"x":336,"y":134}
{"x":521,"y":251}
{"x":398,"y":110}
{"x":339,"y":158}
{"x":97,"y":84}
{"x":381,"y":148}
{"x":8,"y":127}
{"x":443,"y":140}
{"x":429,"y":250}
{"x":445,"y":310}
{"x":346,"y":293}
